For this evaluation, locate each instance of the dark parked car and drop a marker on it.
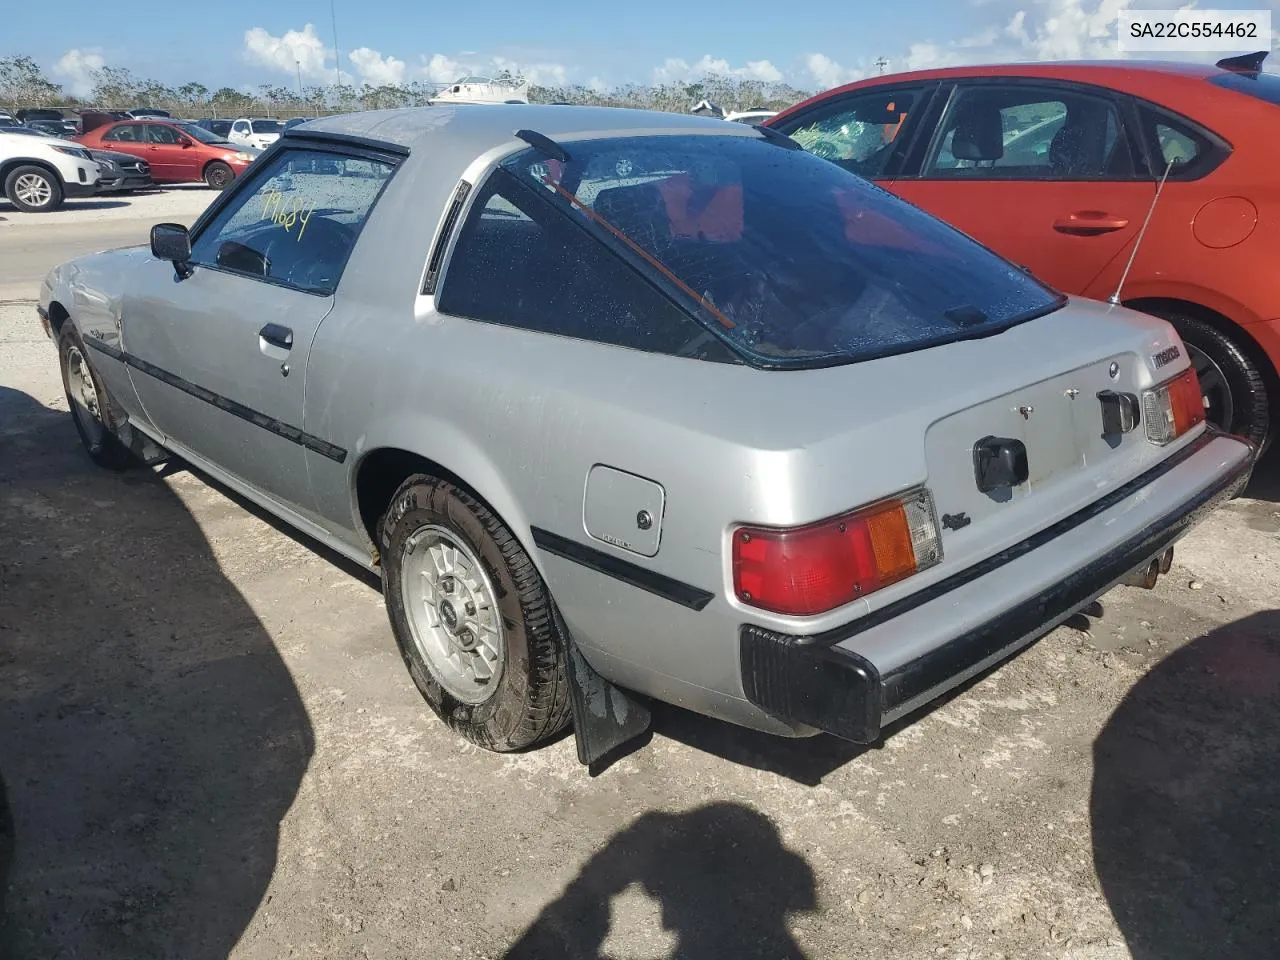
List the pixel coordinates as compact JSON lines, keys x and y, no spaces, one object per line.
{"x":122,"y":172}
{"x":221,"y":127}
{"x":57,"y":128}
{"x":33,"y":113}
{"x":139,"y":113}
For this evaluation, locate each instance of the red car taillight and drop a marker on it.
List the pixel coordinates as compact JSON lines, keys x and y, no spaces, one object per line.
{"x":1173,"y":408}
{"x":815,"y":568}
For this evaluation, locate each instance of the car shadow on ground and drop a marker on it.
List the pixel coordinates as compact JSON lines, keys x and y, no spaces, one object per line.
{"x":1186,"y":800}
{"x":724,"y":881}
{"x":1265,"y":482}
{"x":151,"y":737}
{"x":8,"y":209}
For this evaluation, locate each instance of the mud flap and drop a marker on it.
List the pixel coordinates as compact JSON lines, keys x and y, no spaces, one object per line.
{"x":606,"y":718}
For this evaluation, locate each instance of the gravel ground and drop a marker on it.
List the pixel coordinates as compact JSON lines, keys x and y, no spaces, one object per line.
{"x":211,"y":748}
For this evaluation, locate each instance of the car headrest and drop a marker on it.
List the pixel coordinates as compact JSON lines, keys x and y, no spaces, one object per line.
{"x":979,"y":133}
{"x":638,"y":211}
{"x":1070,"y":149}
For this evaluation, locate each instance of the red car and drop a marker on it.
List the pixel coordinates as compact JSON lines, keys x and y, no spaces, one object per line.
{"x":1057,"y":166}
{"x":178,"y":152}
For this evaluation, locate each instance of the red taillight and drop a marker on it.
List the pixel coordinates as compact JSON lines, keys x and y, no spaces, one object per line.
{"x":1173,"y":408}
{"x":818,"y":567}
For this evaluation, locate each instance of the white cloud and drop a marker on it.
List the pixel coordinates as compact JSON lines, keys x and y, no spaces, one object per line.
{"x":539,"y":74}
{"x":375,"y":69}
{"x":440,"y":69}
{"x":295,"y":50}
{"x":1037,"y":30}
{"x":77,"y":67}
{"x":826,"y":73}
{"x":675,"y":70}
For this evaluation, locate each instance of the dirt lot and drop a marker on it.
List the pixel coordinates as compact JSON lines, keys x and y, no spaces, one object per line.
{"x":211,"y":748}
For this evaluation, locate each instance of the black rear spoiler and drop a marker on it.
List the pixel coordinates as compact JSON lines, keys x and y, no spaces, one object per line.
{"x":1245,"y":63}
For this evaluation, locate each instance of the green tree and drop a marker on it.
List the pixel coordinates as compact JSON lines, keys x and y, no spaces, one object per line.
{"x":115,"y":87}
{"x":23,"y":84}
{"x":193,"y":94}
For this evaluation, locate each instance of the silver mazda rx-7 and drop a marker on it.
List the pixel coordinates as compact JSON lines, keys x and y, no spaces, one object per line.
{"x":628,"y":406}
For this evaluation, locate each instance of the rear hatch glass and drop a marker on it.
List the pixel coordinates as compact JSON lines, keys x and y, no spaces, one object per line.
{"x":1260,"y":86}
{"x":791,"y":259}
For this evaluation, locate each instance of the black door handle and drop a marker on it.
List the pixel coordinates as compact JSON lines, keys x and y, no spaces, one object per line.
{"x":277,"y":336}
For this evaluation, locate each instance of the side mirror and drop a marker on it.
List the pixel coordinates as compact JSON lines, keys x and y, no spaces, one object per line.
{"x":172,"y":242}
{"x":186,"y":143}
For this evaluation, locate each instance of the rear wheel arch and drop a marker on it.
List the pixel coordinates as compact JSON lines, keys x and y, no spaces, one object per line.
{"x":1250,"y":373}
{"x":380,"y":474}
{"x":1172,"y":306}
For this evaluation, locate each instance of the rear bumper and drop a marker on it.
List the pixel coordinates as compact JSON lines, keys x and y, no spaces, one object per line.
{"x":825,"y":683}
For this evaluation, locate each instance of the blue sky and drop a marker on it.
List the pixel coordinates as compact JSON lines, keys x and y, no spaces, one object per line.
{"x":242,"y":43}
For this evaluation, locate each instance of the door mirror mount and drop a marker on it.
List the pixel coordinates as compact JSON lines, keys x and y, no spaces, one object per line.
{"x":186,"y":143}
{"x":172,"y":242}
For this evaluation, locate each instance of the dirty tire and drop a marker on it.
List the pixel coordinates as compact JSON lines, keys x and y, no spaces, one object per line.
{"x":33,"y":189}
{"x":1250,"y":414}
{"x":104,"y":449}
{"x":217,"y":175}
{"x":531,"y":701}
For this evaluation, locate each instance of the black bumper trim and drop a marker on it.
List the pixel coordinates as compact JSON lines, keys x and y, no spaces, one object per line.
{"x":809,"y":681}
{"x":1009,"y":554}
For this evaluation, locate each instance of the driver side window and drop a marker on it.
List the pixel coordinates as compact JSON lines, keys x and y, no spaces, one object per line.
{"x":297,"y":223}
{"x":159,"y":133}
{"x":862,"y":131}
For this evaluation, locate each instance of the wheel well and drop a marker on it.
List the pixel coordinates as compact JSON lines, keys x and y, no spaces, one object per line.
{"x":9,"y":165}
{"x":1164,"y":307}
{"x":57,"y":316}
{"x":380,"y":475}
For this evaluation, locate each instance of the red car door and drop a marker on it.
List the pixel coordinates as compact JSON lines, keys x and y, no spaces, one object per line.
{"x":130,"y":138}
{"x":168,"y":152}
{"x":1043,"y":173}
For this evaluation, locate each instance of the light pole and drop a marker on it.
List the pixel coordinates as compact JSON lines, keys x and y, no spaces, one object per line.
{"x":298,"y":64}
{"x":337,"y":50}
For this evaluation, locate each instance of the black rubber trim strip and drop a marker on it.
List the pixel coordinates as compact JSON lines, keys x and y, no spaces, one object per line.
{"x":347,"y":139}
{"x":270,"y":424}
{"x":1050,"y":606}
{"x":1009,"y":554}
{"x":41,"y":312}
{"x":442,"y":241}
{"x":656,"y":583}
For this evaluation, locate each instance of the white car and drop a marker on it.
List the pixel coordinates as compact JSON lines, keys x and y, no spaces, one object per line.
{"x":38,"y":173}
{"x":750,"y":117}
{"x":258,"y":132}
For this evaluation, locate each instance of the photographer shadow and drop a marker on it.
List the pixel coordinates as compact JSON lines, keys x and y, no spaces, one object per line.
{"x":723,"y":879}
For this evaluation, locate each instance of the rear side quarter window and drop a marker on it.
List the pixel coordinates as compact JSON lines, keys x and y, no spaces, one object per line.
{"x":1186,"y":149}
{"x":521,"y":262}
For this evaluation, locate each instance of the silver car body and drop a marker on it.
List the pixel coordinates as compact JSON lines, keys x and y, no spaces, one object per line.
{"x":567,"y":440}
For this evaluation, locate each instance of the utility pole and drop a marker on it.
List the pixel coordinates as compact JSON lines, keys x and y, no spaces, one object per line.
{"x":881,"y":63}
{"x":337,"y":50}
{"x":298,"y":64}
